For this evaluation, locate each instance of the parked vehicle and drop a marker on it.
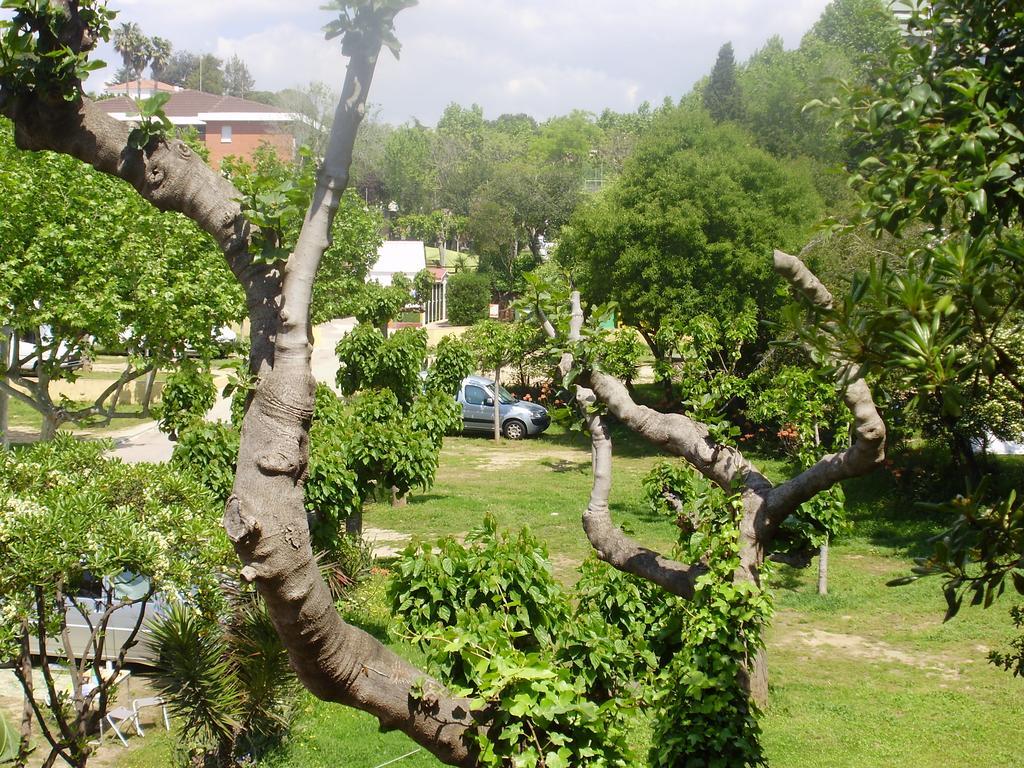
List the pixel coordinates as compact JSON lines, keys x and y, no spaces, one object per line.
{"x":96,"y":597}
{"x":519,"y":419}
{"x":26,"y":351}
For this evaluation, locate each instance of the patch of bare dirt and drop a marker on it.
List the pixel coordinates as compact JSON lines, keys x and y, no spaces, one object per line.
{"x":558,"y":460}
{"x":386,"y":543}
{"x":110,"y":751}
{"x":858,"y":647}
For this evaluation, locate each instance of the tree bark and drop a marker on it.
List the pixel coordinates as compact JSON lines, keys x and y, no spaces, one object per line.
{"x":823,"y":568}
{"x":147,"y":397}
{"x":5,"y":361}
{"x":497,"y":405}
{"x":51,"y":424}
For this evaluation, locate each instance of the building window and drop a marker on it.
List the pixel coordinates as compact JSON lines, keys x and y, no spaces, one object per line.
{"x":225,"y":134}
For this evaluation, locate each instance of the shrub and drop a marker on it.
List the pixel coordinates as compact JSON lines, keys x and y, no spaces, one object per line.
{"x":187,"y":396}
{"x":469,"y":295}
{"x":227,"y":679}
{"x":497,"y":627}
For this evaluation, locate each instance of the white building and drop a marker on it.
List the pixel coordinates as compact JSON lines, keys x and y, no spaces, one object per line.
{"x":406,"y":257}
{"x":409,"y":258}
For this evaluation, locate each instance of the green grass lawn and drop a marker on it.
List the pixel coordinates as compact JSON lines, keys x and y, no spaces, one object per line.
{"x":451,"y":257}
{"x":22,"y":417}
{"x":868,"y":676}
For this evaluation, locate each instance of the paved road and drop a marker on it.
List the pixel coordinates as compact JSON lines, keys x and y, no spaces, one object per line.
{"x":147,"y":443}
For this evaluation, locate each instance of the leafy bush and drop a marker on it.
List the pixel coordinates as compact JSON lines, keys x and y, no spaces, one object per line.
{"x":469,"y":295}
{"x":187,"y":396}
{"x":209,"y":452}
{"x":497,"y":627}
{"x":371,"y":361}
{"x":501,"y":574}
{"x":453,"y":362}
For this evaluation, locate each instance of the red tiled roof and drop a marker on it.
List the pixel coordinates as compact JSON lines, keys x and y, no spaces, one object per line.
{"x":438,"y":273}
{"x":146,"y":85}
{"x":188,"y":103}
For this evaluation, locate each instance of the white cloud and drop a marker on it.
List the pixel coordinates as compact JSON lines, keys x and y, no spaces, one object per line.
{"x":544,"y":57}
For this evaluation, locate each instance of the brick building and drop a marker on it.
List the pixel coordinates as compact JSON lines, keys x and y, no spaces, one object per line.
{"x":226,"y":124}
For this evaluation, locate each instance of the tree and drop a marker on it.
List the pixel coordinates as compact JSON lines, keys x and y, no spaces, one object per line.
{"x":207,"y":75}
{"x":749,"y":509}
{"x":161,"y":50}
{"x":686,"y":229}
{"x":409,"y":175}
{"x":179,"y":68}
{"x":314,"y":104}
{"x":135,"y":49}
{"x":398,"y":418}
{"x":721,"y":96}
{"x":369,"y":176}
{"x":237,"y":80}
{"x":941,"y":145}
{"x":495,"y":345}
{"x":469,"y":296}
{"x":460,"y":156}
{"x":540,"y":197}
{"x":160,"y":287}
{"x":265,"y":515}
{"x":863,"y":29}
{"x":70,"y":517}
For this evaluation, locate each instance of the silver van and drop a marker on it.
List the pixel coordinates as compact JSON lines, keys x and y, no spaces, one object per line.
{"x":519,"y":419}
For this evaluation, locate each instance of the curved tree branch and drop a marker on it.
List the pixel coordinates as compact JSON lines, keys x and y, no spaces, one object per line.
{"x":610,"y":543}
{"x":680,"y":436}
{"x":868,"y":448}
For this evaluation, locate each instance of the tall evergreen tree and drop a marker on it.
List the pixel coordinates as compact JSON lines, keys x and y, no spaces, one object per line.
{"x":237,"y":79}
{"x":208,"y":76}
{"x":722,"y":97}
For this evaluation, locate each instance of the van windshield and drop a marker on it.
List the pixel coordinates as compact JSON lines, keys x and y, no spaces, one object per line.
{"x":504,"y":396}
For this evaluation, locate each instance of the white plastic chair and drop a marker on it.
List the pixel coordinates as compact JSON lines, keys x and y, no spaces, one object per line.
{"x":152,"y":701}
{"x":120,"y":716}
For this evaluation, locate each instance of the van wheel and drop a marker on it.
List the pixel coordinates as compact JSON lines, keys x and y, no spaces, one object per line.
{"x":514,"y":429}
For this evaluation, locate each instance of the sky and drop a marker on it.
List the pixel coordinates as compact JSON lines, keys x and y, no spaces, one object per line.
{"x":542,"y":57}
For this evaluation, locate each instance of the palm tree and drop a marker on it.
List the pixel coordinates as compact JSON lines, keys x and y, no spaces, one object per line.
{"x":135,"y":49}
{"x":160,"y":49}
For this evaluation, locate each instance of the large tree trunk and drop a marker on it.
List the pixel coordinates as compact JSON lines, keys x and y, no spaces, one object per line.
{"x":265,"y":515}
{"x":51,"y":423}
